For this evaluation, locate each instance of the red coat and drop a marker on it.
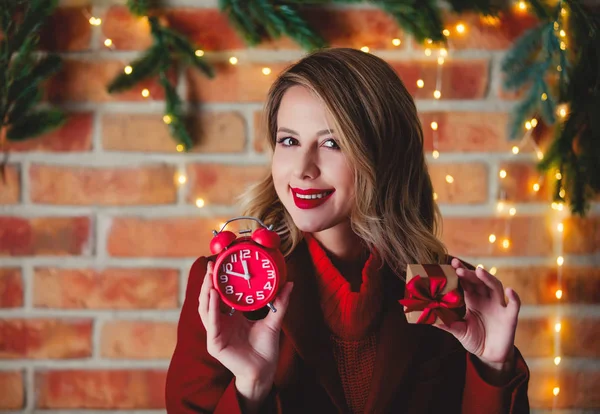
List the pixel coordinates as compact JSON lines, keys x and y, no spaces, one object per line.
{"x":418,"y":369}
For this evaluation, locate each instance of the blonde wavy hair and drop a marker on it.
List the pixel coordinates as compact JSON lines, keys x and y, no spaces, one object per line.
{"x":378,"y":129}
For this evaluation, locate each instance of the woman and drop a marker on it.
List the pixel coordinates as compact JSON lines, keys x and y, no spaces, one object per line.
{"x":351,"y":197}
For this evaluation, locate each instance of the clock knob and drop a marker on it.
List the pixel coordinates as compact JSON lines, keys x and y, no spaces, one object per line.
{"x":266,"y":238}
{"x":221,"y":241}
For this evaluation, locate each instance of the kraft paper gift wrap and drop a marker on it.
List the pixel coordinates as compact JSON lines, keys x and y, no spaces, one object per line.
{"x":433,"y":295}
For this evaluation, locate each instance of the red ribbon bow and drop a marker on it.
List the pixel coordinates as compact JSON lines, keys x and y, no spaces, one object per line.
{"x":424,"y":294}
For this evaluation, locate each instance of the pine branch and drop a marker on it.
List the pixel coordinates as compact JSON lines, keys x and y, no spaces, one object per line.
{"x":35,"y":123}
{"x":145,"y":67}
{"x":176,"y":119}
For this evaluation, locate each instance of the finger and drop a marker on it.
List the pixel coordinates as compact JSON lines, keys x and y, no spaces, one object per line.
{"x":469,"y":278}
{"x":213,"y":326}
{"x":494,"y":285}
{"x":514,"y":301}
{"x":281,"y":304}
{"x":203,"y":298}
{"x":458,"y":329}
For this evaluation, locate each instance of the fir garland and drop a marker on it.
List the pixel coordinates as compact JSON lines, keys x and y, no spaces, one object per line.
{"x":22,"y":72}
{"x":562,"y":77}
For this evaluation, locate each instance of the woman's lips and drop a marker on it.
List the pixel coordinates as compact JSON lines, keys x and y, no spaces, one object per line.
{"x":308,"y":203}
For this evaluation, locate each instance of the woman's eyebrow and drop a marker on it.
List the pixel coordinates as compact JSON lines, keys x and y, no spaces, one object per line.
{"x":291,"y":131}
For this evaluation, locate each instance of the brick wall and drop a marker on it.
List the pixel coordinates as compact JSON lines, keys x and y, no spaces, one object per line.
{"x":97,"y":235}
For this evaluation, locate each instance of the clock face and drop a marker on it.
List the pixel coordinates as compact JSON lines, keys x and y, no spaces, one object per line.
{"x":246,"y":277}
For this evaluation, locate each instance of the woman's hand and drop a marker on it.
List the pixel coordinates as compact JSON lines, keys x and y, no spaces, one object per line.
{"x":250,"y":350}
{"x":488,"y":330}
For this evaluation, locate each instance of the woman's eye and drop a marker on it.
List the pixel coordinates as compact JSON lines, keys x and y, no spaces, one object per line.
{"x":287,"y":141}
{"x":330,"y":143}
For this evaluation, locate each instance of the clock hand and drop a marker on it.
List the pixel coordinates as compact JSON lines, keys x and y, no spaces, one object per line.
{"x":245,"y":266}
{"x":238,"y":275}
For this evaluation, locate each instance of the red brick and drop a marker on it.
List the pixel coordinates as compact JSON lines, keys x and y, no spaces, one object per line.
{"x":11,"y":189}
{"x":528,"y":235}
{"x":582,"y":235}
{"x":468,"y":132}
{"x":43,"y":235}
{"x":149,"y":184}
{"x":461,"y":79}
{"x":484,"y":32}
{"x":245,"y":82}
{"x":578,"y":390}
{"x":45,"y":338}
{"x":112,"y":288}
{"x":127,"y":32}
{"x":74,"y":135}
{"x":125,"y":389}
{"x":87,"y":80}
{"x":221,"y":184}
{"x":260,"y":142}
{"x":138,"y":339}
{"x":519,"y":181}
{"x":11,"y":288}
{"x":222,"y":132}
{"x":536,"y":285}
{"x":354,"y":28}
{"x":166,"y":237}
{"x":68,"y":29}
{"x":579,"y":338}
{"x":469,"y":185}
{"x":13,"y":393}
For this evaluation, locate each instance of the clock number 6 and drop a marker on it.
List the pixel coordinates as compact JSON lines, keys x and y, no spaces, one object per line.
{"x":249,"y":300}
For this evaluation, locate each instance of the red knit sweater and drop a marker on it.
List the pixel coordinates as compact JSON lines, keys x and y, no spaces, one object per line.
{"x":351,"y":317}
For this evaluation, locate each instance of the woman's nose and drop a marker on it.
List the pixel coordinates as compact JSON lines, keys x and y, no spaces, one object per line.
{"x":305,"y":166}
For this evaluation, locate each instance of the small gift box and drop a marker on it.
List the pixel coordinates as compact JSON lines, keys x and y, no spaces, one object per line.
{"x":433,"y":295}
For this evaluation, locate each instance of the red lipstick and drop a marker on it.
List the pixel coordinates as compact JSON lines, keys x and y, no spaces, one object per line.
{"x":308,"y":203}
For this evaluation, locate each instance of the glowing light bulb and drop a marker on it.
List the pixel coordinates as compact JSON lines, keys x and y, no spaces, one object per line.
{"x":562,"y":33}
{"x":108,"y":42}
{"x":145,"y":93}
{"x":443,"y":52}
{"x":560,"y":260}
{"x":427,"y":52}
{"x":437,"y":94}
{"x":420,"y":83}
{"x":435,"y":154}
{"x":512,"y":211}
{"x":558,"y":293}
{"x":396,"y":42}
{"x":429,"y":41}
{"x":534,"y":122}
{"x":493,"y":270}
{"x":558,"y":175}
{"x":199,"y":52}
{"x":179,"y":148}
{"x":492,"y":238}
{"x":266,"y":71}
{"x":440,"y":60}
{"x":446,"y":32}
{"x":128,"y":69}
{"x":435,"y":196}
{"x":181,"y":178}
{"x":528,"y":125}
{"x":563,"y":46}
{"x":199,"y":202}
{"x":449,"y":179}
{"x":167,"y":119}
{"x":365,"y":49}
{"x":540,"y":154}
{"x":563,"y":11}
{"x":460,"y":28}
{"x":233,"y":60}
{"x":561,"y":193}
{"x":502,"y":173}
{"x":522,"y":6}
{"x":556,"y":360}
{"x":557,"y":326}
{"x":480,"y":265}
{"x":560,"y":227}
{"x":515,"y":149}
{"x":434,"y":126}
{"x":95,"y":21}
{"x":506,"y":243}
{"x":500,"y":206}
{"x":544,"y":96}
{"x":536,"y":187}
{"x":555,"y":391}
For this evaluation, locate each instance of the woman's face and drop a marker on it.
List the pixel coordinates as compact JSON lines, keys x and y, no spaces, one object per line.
{"x":312,"y":177}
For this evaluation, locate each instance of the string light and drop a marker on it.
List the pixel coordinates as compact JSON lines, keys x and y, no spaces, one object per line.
{"x":440,"y":60}
{"x":493,"y":270}
{"x":502,"y":174}
{"x":128,"y":69}
{"x":557,"y":327}
{"x":512,"y":211}
{"x":427,"y":52}
{"x":492,"y":238}
{"x":233,"y":60}
{"x":266,"y":71}
{"x":181,"y":178}
{"x":434,"y":126}
{"x":558,"y":293}
{"x":557,"y":360}
{"x":544,"y":96}
{"x":365,"y":49}
{"x":437,"y":94}
{"x":563,"y":46}
{"x":446,"y":32}
{"x":167,"y":119}
{"x":560,"y":227}
{"x":435,"y":196}
{"x":555,"y":391}
{"x":108,"y":42}
{"x":420,"y":83}
{"x":560,"y":260}
{"x":396,"y":42}
{"x":522,"y":6}
{"x":435,"y":154}
{"x":95,"y":21}
{"x":145,"y":93}
{"x":536,"y":187}
{"x":199,"y":52}
{"x":199,"y":202}
{"x":506,"y":243}
{"x":179,"y":148}
{"x":449,"y":179}
{"x":460,"y":28}
{"x":515,"y":150}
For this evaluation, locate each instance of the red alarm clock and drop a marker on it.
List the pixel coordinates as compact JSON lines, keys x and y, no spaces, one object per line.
{"x":248,"y":270}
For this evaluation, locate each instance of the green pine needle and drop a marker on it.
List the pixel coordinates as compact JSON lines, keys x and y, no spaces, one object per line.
{"x":143,"y":68}
{"x":35,"y":124}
